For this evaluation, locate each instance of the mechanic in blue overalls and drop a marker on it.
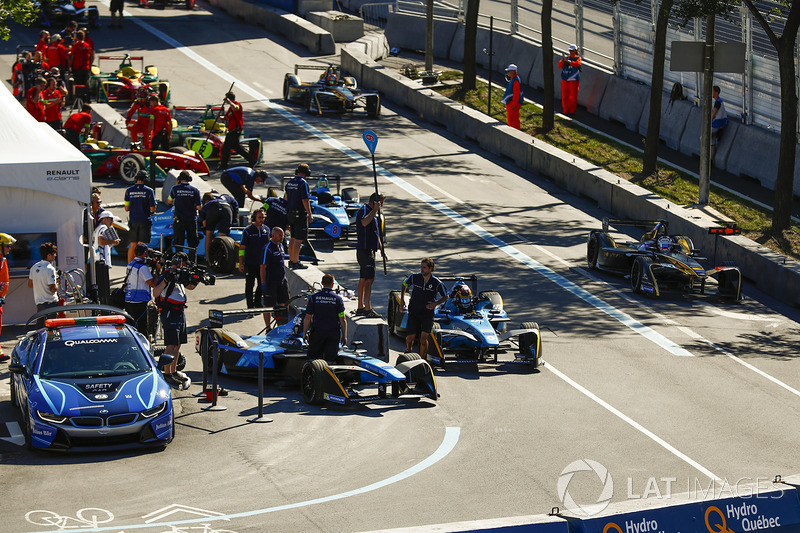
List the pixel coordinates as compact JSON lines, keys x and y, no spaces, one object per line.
{"x":274,"y":288}
{"x":185,"y":199}
{"x":140,"y":203}
{"x":255,"y":238}
{"x":240,"y":181}
{"x":325,"y":318}
{"x":425,"y":289}
{"x":298,"y":207}
{"x":217,"y":215}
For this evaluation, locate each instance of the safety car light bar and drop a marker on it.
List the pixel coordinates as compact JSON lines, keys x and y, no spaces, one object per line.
{"x":727,"y":230}
{"x":108,"y":319}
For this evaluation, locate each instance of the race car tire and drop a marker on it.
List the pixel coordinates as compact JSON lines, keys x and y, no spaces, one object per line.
{"x":93,"y":15}
{"x":129,"y":166}
{"x":637,"y":273}
{"x":391,"y":313}
{"x":26,"y":429}
{"x":311,"y":381}
{"x":526,"y":340}
{"x":222,"y":254}
{"x":307,"y":103}
{"x":350,"y":195}
{"x":179,"y":150}
{"x":286,"y":88}
{"x":493,"y":296}
{"x":408,"y":356}
{"x":13,"y":389}
{"x":593,"y":250}
{"x":373,"y":106}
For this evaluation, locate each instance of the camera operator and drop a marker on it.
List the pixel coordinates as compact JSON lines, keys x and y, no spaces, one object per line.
{"x":138,"y":283}
{"x":171,"y":298}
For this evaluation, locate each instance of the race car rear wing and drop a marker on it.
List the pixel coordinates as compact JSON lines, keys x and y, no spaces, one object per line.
{"x":472,"y":279}
{"x":331,"y":178}
{"x":635,"y":223}
{"x":216,"y":317}
{"x":298,"y":68}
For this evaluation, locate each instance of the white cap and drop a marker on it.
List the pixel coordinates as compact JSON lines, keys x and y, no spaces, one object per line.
{"x":573,"y":47}
{"x":104,"y":214}
{"x":512,"y":66}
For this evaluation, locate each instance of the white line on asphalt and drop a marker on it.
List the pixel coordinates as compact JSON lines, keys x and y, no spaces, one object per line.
{"x":658,"y":440}
{"x":444,"y":192}
{"x":531,"y":263}
{"x":449,"y":442}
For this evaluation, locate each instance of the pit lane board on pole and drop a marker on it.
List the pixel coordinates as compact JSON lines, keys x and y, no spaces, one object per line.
{"x":371,"y":140}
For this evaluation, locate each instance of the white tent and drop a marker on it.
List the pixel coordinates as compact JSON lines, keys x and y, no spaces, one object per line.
{"x":45,"y":186}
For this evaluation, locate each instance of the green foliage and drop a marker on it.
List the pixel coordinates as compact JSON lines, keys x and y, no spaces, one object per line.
{"x":20,"y":11}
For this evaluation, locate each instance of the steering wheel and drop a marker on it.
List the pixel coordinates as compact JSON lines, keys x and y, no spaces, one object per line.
{"x":124,"y":365}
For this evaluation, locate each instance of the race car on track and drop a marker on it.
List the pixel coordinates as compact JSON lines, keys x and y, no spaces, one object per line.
{"x":109,"y":161}
{"x":470,"y":327}
{"x":206,"y":135}
{"x":353,"y":378}
{"x":331,"y":92}
{"x":659,"y":262}
{"x":122,"y":83}
{"x":334,"y":213}
{"x":57,"y":13}
{"x":89,"y":382}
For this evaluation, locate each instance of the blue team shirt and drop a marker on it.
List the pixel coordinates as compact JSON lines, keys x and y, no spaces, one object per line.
{"x":254,"y":239}
{"x":243,"y":176}
{"x":296,"y":192}
{"x":327,"y":307}
{"x":273,"y":258}
{"x":422,"y":293}
{"x":276,"y":213}
{"x":367,"y":237}
{"x":224,"y":199}
{"x":185,"y":199}
{"x":139,"y":198}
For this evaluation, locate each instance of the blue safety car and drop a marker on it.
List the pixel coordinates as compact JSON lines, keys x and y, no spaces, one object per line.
{"x":353,"y":378}
{"x":89,"y":382}
{"x":471,"y":327}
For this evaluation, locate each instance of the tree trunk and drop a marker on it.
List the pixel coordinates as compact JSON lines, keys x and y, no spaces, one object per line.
{"x":470,"y":39}
{"x":650,"y":159}
{"x":784,"y":184}
{"x":548,"y":101}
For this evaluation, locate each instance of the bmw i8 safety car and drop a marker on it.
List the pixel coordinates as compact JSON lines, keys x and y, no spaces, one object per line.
{"x":332,"y":92}
{"x":89,"y":382}
{"x":206,"y":135}
{"x":122,"y":83}
{"x":471,"y":327}
{"x":353,"y":378}
{"x":659,"y":262}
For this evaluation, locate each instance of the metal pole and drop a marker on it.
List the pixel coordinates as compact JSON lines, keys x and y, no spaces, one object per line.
{"x":204,"y":350}
{"x":429,"y":37}
{"x":579,"y":25}
{"x":214,"y":406}
{"x":514,"y":17}
{"x":260,"y":417}
{"x":491,"y":53}
{"x":617,"y":30}
{"x":705,"y":124}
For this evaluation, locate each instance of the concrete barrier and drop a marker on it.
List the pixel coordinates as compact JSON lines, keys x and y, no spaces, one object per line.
{"x":755,"y":153}
{"x":673,"y":121}
{"x":593,"y":87}
{"x":343,"y":27}
{"x":624,"y":101}
{"x":114,"y":130}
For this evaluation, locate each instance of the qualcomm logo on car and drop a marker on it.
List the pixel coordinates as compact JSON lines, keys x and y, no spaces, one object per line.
{"x":585,"y":509}
{"x":88,"y":341}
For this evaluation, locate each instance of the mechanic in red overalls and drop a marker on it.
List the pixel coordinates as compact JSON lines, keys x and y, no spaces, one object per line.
{"x":76,"y":123}
{"x":80,"y":57}
{"x":57,"y":53}
{"x":52,"y":100}
{"x":138,"y":118}
{"x":234,"y":118}
{"x":33,"y":100}
{"x":161,"y":124}
{"x":44,"y":41}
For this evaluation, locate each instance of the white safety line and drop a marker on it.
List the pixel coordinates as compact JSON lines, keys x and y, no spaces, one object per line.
{"x":658,"y":440}
{"x":444,"y":192}
{"x":449,"y":442}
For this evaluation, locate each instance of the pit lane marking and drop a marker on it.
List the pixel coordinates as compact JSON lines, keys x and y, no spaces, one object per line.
{"x":444,"y":192}
{"x":616,"y":412}
{"x":447,"y":445}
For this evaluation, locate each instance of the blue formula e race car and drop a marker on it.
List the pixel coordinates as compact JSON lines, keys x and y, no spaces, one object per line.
{"x":353,"y":378}
{"x":89,"y":383}
{"x":470,"y":327}
{"x":334,"y":210}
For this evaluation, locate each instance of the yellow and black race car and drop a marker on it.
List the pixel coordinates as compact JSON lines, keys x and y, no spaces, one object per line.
{"x":331,"y":92}
{"x":659,"y":262}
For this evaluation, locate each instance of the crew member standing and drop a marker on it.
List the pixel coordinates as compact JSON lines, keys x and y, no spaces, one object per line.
{"x":298,"y":208}
{"x":6,"y":241}
{"x":513,"y":97}
{"x":719,"y":120}
{"x":241,"y":181}
{"x":81,"y":57}
{"x":234,"y":118}
{"x":52,"y":100}
{"x":255,"y":238}
{"x":367,"y":243}
{"x":274,"y":288}
{"x":161,"y":124}
{"x":33,"y":100}
{"x":171,"y":297}
{"x":570,"y":80}
{"x":426,"y":293}
{"x":186,"y":201}
{"x":325,"y":317}
{"x":57,"y":53}
{"x":42,"y":279}
{"x":138,"y":283}
{"x":138,"y":118}
{"x":102,"y":243}
{"x":140,"y":203}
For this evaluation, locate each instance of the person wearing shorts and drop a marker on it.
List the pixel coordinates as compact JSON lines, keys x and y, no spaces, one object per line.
{"x":140,"y":203}
{"x":427,"y":292}
{"x":116,"y":7}
{"x":368,"y":241}
{"x":324,"y":325}
{"x":274,"y":287}
{"x":171,"y":298}
{"x":217,"y":214}
{"x":298,"y":208}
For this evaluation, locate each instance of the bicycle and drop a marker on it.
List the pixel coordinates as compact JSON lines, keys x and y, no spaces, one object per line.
{"x":89,"y":517}
{"x":71,"y":286}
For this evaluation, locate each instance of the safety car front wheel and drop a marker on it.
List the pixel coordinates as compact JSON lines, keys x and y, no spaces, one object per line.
{"x":222,"y":254}
{"x":311,"y":381}
{"x":129,"y":166}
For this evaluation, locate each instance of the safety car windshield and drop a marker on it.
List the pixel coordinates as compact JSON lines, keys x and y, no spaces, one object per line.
{"x":92,"y":351}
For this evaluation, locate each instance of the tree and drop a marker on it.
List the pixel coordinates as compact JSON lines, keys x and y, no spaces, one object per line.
{"x":785,"y":46}
{"x":650,"y":159}
{"x":21,"y":11}
{"x":548,"y":78}
{"x":470,"y":46}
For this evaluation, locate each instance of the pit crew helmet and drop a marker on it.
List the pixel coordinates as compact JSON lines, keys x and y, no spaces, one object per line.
{"x":6,"y":239}
{"x":463,"y":296}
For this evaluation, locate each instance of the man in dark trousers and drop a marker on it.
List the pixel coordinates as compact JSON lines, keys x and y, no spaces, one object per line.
{"x":426,"y":293}
{"x":274,"y":288}
{"x":325,"y":317}
{"x":234,"y":120}
{"x":185,"y":199}
{"x":217,"y":214}
{"x":140,"y":203}
{"x":240,"y":182}
{"x":255,"y":238}
{"x":298,"y":208}
{"x":367,"y":243}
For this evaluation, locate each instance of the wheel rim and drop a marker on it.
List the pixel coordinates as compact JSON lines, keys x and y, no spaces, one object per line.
{"x":129,"y":168}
